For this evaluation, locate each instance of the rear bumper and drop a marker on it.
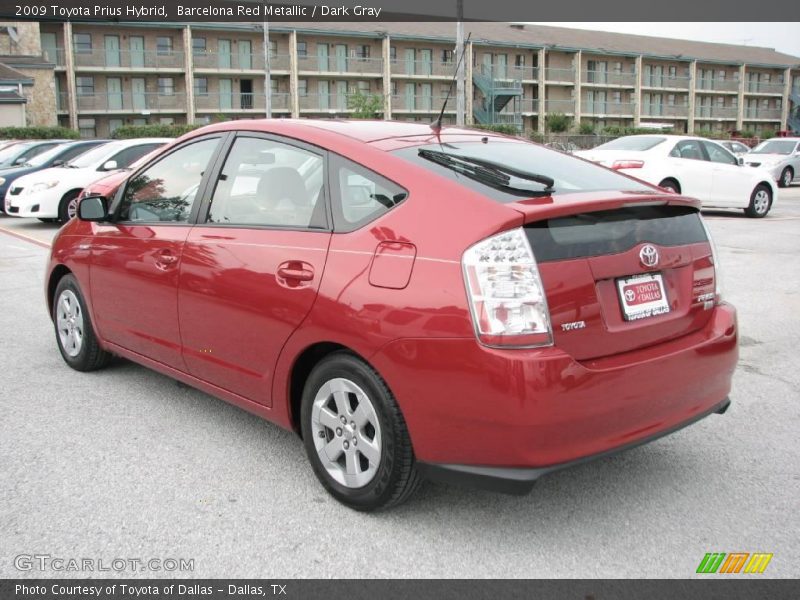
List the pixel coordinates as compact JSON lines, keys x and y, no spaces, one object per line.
{"x":469,"y":407}
{"x":520,"y":481}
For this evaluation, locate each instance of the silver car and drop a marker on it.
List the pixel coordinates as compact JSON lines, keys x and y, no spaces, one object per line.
{"x":779,"y":156}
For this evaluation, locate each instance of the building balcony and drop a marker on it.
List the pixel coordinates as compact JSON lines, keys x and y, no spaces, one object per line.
{"x":62,"y":102}
{"x":129,"y":102}
{"x":559,"y":106}
{"x":758,"y":87}
{"x":523,"y":73}
{"x":602,"y":109}
{"x":678,"y":111}
{"x":609,"y":78}
{"x":341,"y":65}
{"x":529,"y":105}
{"x":419,"y":103}
{"x":553,"y":75}
{"x":422,"y":68}
{"x":762,"y":114}
{"x":99,"y":58}
{"x":330,"y":103}
{"x":716,"y":112}
{"x":235,"y":102}
{"x":248,"y":61}
{"x":718,"y":85}
{"x":665,"y":82}
{"x":55,"y":55}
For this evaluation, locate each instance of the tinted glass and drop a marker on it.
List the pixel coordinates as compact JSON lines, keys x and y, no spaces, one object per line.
{"x":719,"y":155}
{"x":614,"y":231}
{"x":637,"y":143}
{"x":569,"y":173}
{"x":774,"y":147}
{"x":267,"y":183}
{"x":362,"y":196}
{"x":689,"y":149}
{"x":101,"y":153}
{"x":125,"y":158}
{"x":166,"y":191}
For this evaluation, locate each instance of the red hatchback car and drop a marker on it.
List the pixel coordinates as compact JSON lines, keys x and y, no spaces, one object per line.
{"x":463,"y":306}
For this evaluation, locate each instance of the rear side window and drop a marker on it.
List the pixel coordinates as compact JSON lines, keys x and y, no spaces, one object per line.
{"x":614,"y":231}
{"x":362,"y":195}
{"x":125,"y":158}
{"x":691,"y":149}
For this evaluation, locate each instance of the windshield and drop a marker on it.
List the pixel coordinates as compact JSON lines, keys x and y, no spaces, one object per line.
{"x":95,"y":155}
{"x":535,"y":166}
{"x":10,"y":153}
{"x":774,"y":147}
{"x":40,"y":159}
{"x":635,"y":143}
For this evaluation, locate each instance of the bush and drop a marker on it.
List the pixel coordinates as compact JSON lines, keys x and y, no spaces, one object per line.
{"x":557,"y":123}
{"x":586,"y":129}
{"x":503,"y":128}
{"x":37,"y":133}
{"x":537,"y":137}
{"x":767,"y":134}
{"x":127,"y":132}
{"x":364,"y":106}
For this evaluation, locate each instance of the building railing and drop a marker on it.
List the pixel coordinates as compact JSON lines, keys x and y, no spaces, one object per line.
{"x":665,"y":82}
{"x":55,"y":55}
{"x":223,"y":102}
{"x":131,"y":102}
{"x":62,"y":101}
{"x":762,"y":113}
{"x":144,"y":59}
{"x":719,"y":85}
{"x":609,"y":78}
{"x":340,"y":64}
{"x":418,"y":103}
{"x":716,"y":112}
{"x":608,"y":108}
{"x":665,"y":110}
{"x":332,"y":102}
{"x":559,"y":106}
{"x":523,"y":73}
{"x":529,"y":105}
{"x":253,"y":61}
{"x":432,"y":68}
{"x":559,"y":75}
{"x":761,"y":87}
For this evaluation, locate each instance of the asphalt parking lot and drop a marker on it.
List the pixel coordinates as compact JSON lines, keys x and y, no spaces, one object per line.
{"x":125,"y":463}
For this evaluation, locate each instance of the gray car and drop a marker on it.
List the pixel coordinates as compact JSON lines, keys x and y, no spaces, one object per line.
{"x":779,"y":156}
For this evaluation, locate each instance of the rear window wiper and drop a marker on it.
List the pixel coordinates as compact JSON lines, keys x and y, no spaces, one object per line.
{"x":488,"y":172}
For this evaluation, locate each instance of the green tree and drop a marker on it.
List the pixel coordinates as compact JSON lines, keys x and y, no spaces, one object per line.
{"x":365,"y":106}
{"x":557,"y":122}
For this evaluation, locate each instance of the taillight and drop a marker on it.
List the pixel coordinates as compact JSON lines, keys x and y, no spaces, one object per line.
{"x":715,"y":260}
{"x":505,"y":292}
{"x":627,"y":164}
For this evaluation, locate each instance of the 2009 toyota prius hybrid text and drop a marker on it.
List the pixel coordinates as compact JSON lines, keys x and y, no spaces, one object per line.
{"x":460,"y":306}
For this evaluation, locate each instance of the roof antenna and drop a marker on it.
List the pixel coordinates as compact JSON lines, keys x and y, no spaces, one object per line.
{"x":436,"y":126}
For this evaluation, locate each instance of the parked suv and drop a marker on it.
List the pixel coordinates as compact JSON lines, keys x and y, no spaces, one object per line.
{"x":456,"y":305}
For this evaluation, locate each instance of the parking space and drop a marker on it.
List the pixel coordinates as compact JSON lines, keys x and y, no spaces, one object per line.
{"x":127,"y":463}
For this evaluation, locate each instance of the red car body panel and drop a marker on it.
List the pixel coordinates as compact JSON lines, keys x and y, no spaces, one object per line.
{"x":230,"y":311}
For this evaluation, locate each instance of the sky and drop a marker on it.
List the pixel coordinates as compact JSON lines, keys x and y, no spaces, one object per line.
{"x":784,"y":37}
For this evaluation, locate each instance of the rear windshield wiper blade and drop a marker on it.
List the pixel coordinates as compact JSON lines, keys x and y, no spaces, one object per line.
{"x":480,"y":169}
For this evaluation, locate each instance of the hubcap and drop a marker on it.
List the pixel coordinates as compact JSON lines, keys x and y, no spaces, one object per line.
{"x":761,"y":202}
{"x":347,"y":434}
{"x":787,"y":178}
{"x":69,"y":323}
{"x":72,"y":208}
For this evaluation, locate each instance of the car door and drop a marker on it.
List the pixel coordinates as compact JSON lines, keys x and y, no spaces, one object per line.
{"x":136,"y":257}
{"x":252,"y":265}
{"x":730,"y":183}
{"x":688,"y":162}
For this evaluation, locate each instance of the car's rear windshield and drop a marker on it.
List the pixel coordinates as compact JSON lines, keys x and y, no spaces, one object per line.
{"x":569,"y":174}
{"x":774,"y":147}
{"x":636,"y":143}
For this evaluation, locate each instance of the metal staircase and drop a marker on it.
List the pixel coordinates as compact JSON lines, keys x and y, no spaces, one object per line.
{"x":501,"y":97}
{"x":794,"y":110}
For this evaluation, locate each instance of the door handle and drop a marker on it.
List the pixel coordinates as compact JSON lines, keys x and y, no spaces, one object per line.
{"x":165,"y":259}
{"x":296,"y":274}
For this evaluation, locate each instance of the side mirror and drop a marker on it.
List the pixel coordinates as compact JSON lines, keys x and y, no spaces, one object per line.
{"x":93,"y":208}
{"x":740,"y":160}
{"x":58,"y":162}
{"x":109,"y":165}
{"x":20,"y":161}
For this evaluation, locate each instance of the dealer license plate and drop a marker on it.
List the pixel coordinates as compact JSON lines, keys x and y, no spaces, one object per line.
{"x":642,"y":296}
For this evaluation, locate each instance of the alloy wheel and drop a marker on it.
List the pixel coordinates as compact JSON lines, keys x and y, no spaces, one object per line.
{"x":69,"y":321}
{"x":761,"y":202}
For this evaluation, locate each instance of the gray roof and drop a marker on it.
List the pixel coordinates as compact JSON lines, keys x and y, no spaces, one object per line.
{"x":8,"y":74}
{"x":536,"y":36}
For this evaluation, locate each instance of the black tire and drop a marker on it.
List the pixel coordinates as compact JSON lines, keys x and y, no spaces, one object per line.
{"x":757,"y":208}
{"x":396,"y":477}
{"x":63,"y":206}
{"x":670,"y":184}
{"x":48,"y":220}
{"x":787,"y":176}
{"x":90,"y":356}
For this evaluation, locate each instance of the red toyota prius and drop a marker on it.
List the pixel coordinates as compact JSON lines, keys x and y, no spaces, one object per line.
{"x":454,"y":305}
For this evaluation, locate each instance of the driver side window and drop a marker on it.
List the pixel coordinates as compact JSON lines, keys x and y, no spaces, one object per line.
{"x":690,"y":149}
{"x":718,"y":154}
{"x":166,"y":191}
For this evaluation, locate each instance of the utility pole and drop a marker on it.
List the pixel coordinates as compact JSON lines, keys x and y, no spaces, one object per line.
{"x":460,"y":87}
{"x":267,"y":73}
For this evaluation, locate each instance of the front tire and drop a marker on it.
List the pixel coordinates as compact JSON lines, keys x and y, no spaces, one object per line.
{"x":68,"y":207}
{"x":75,"y":335}
{"x":787,"y":176}
{"x":355,"y":435}
{"x":760,"y":202}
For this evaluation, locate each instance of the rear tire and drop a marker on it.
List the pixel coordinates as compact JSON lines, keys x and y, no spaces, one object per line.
{"x":670,"y":184}
{"x":48,"y":220}
{"x":75,"y":335}
{"x":355,"y":435}
{"x":68,"y":206}
{"x":787,"y":176}
{"x":760,"y":202}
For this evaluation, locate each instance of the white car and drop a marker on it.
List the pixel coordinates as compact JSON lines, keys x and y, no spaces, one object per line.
{"x":52,"y":194}
{"x":779,"y":156}
{"x":690,"y":166}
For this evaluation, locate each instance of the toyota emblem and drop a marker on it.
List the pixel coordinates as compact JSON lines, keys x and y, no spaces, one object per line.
{"x":648,"y":255}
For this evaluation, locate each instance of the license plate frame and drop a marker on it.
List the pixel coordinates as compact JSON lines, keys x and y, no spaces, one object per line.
{"x":642,"y":296}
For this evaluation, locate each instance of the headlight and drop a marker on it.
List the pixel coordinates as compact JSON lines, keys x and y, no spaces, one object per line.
{"x":43,"y":185}
{"x":2,"y":180}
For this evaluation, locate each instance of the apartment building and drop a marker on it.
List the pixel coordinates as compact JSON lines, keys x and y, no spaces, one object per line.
{"x":108,"y":75}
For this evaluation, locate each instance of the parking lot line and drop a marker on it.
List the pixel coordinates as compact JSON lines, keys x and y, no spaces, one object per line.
{"x":27,"y":238}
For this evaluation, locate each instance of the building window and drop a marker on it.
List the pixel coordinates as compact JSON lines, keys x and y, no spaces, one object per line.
{"x":778,"y":103}
{"x":617,"y":67}
{"x":273,"y":86}
{"x":198,"y":46}
{"x":302,"y":49}
{"x":363,"y":87}
{"x":519,"y":61}
{"x":85,"y":86}
{"x":164,"y":45}
{"x":201,"y":86}
{"x":166,"y":86}
{"x":721,"y":75}
{"x":393,"y":53}
{"x":302,"y":87}
{"x":616,"y":97}
{"x":447,"y":56}
{"x":394,"y":88}
{"x":87,"y":128}
{"x":672,"y":72}
{"x":362,"y":51}
{"x":82,"y":43}
{"x":273,"y":48}
{"x":166,"y":120}
{"x":113,"y":125}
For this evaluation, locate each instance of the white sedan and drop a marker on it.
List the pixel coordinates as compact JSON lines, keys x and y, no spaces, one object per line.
{"x":52,"y":194}
{"x":690,"y":166}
